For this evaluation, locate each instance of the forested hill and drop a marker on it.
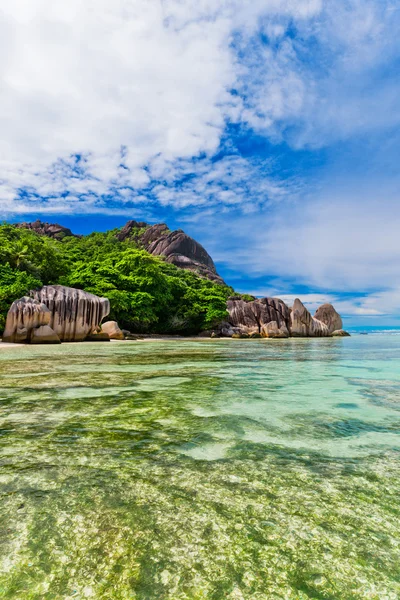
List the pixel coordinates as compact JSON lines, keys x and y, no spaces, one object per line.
{"x":156,"y":280}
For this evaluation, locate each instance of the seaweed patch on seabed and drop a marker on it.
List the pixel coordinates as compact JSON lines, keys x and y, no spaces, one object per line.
{"x":154,"y":484}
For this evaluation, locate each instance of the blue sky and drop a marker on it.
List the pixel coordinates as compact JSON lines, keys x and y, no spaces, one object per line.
{"x":267,"y":129}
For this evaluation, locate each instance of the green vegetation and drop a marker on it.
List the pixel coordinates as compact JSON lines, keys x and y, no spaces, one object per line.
{"x":146,"y":293}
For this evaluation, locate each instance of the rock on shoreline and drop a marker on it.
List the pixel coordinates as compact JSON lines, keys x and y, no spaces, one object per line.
{"x":272,"y":318}
{"x":55,"y":314}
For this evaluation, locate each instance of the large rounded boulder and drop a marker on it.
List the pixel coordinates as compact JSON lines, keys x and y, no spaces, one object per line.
{"x":55,"y":313}
{"x":304,"y":325}
{"x":111,"y":328}
{"x":328,"y":315}
{"x":74,"y":313}
{"x":24,"y":318}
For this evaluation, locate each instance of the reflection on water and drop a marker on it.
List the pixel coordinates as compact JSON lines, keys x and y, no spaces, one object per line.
{"x":240,"y":469}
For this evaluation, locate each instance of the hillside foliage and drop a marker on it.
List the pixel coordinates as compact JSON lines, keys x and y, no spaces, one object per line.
{"x":146,"y":293}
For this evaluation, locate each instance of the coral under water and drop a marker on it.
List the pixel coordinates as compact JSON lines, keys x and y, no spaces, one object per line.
{"x":248,"y":469}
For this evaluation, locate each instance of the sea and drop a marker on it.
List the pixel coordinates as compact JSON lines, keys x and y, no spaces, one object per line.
{"x":372,"y":329}
{"x":201,"y":469}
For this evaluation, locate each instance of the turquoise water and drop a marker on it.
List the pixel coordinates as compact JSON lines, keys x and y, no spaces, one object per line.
{"x":212,"y":469}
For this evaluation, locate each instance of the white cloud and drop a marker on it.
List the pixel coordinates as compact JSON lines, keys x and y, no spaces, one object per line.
{"x":90,"y":78}
{"x":154,"y":81}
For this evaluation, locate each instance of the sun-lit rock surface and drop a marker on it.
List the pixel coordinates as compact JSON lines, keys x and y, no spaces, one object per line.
{"x":68,"y":315}
{"x":271,"y":330}
{"x":24,"y":317}
{"x":328,"y":315}
{"x":177,"y":247}
{"x":304,"y":325}
{"x":53,"y":230}
{"x":252,"y":316}
{"x":271,"y":317}
{"x":74,"y":313}
{"x":113,"y":330}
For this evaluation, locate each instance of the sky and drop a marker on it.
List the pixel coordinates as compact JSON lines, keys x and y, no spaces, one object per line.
{"x":269,"y":130}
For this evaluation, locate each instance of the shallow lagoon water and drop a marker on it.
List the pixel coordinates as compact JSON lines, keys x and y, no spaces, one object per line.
{"x":212,"y":469}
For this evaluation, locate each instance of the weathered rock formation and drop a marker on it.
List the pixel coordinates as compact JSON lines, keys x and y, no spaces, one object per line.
{"x":271,"y":330}
{"x":328,"y":315}
{"x":113,"y":331}
{"x":252,"y":317}
{"x":52,"y":230}
{"x":53,"y":314}
{"x":177,"y":247}
{"x":271,"y":318}
{"x":44,"y":335}
{"x":74,"y":313}
{"x":28,"y":320}
{"x":304,"y":325}
{"x":340,"y":333}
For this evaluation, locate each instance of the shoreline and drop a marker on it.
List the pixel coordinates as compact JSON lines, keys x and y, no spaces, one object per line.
{"x":165,"y":338}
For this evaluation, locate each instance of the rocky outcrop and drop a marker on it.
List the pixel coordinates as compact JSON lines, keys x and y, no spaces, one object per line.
{"x":304,"y":325}
{"x":252,"y":317}
{"x":55,"y":313}
{"x":74,"y":313}
{"x":328,"y":315}
{"x":113,"y":331}
{"x":25,"y":317}
{"x":272,"y":318}
{"x":340,"y":333}
{"x":177,"y":247}
{"x":271,"y":330}
{"x":134,"y":230}
{"x":52,"y":230}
